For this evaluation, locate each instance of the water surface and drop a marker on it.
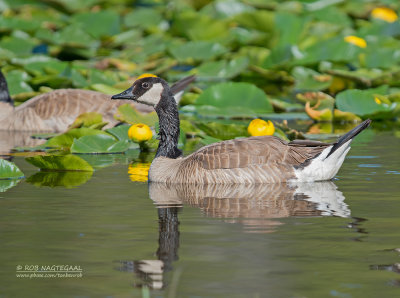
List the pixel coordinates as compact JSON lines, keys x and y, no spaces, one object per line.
{"x":338,"y":239}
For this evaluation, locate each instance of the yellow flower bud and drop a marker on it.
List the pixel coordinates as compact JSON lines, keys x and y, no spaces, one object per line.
{"x":378,"y":101}
{"x":259,"y":127}
{"x":139,"y":171}
{"x":357,"y":41}
{"x":385,"y":14}
{"x":140,"y":132}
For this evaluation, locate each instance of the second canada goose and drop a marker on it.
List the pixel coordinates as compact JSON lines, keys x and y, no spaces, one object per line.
{"x":56,"y":110}
{"x":253,"y":160}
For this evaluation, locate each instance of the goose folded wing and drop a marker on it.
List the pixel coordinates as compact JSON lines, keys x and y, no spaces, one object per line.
{"x":241,"y":153}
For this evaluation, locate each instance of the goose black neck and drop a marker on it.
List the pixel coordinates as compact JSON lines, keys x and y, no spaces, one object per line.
{"x":168,"y":115}
{"x":4,"y":94}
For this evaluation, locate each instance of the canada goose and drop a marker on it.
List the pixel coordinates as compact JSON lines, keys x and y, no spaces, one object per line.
{"x":264,"y":159}
{"x":56,"y":110}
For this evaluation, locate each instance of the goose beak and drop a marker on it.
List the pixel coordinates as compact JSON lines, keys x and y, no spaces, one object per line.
{"x":127,"y":94}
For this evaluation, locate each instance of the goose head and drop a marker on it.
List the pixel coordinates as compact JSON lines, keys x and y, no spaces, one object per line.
{"x":147,"y":89}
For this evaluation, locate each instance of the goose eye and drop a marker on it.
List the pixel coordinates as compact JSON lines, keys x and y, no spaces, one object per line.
{"x":145,"y":85}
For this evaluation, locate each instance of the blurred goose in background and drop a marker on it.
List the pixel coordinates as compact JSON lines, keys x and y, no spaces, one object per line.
{"x":265,"y":159}
{"x":56,"y":110}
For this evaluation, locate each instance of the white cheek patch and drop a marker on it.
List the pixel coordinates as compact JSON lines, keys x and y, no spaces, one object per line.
{"x":153,"y":96}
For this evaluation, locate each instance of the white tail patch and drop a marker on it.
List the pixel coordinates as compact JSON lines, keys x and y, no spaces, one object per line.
{"x":322,"y":167}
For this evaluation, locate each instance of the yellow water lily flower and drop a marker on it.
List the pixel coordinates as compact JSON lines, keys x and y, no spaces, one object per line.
{"x":259,"y":127}
{"x":357,"y":41}
{"x":378,"y":101}
{"x":138,"y":172}
{"x":384,"y":13}
{"x":140,"y":132}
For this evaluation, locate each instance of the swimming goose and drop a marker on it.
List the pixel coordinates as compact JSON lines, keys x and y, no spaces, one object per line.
{"x":265,"y":159}
{"x":56,"y":110}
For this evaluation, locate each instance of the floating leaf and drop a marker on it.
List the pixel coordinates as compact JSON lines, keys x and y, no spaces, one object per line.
{"x":363,"y":103}
{"x":98,"y":24}
{"x":345,"y":116}
{"x":65,"y":140}
{"x":223,"y":69}
{"x":310,"y":80}
{"x":222,"y":131}
{"x":9,"y":170}
{"x":67,"y":162}
{"x":197,"y":26}
{"x":99,"y":144}
{"x":91,"y":120}
{"x":233,"y":100}
{"x":65,"y":179}
{"x":120,"y":132}
{"x":7,"y":184}
{"x":126,"y":113}
{"x":143,"y":18}
{"x":17,"y":82}
{"x":197,"y":50}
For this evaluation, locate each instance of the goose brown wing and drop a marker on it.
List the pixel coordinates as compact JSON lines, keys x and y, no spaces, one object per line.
{"x":241,"y":153}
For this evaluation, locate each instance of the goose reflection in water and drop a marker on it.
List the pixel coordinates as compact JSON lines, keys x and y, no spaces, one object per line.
{"x":257,"y":207}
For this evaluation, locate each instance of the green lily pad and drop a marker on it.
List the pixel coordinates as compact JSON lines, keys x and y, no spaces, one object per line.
{"x":90,"y":120}
{"x":364,"y":103}
{"x":9,"y":170}
{"x":120,"y":132}
{"x":223,"y":68}
{"x":126,"y":113}
{"x":233,"y":100}
{"x":223,"y":131}
{"x":310,"y":80}
{"x":99,"y":144}
{"x":7,"y":184}
{"x":197,"y":26}
{"x":17,"y":82}
{"x":98,"y":24}
{"x":143,"y":18}
{"x":18,"y":45}
{"x":65,"y":179}
{"x":65,"y":140}
{"x":197,"y":50}
{"x":67,"y":162}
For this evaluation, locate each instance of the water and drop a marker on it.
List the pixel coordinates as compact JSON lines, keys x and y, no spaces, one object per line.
{"x":337,"y":239}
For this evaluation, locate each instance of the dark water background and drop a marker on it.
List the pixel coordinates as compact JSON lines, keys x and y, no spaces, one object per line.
{"x":338,"y":240}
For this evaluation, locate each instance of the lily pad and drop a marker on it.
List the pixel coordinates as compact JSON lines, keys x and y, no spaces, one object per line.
{"x":90,"y":120}
{"x":54,"y":179}
{"x":7,"y":184}
{"x":67,"y":162}
{"x":223,"y":131}
{"x":222,"y":69}
{"x":126,"y":113}
{"x":98,"y":24}
{"x":233,"y":100}
{"x":197,"y":50}
{"x":99,"y":144}
{"x":143,"y":18}
{"x":17,"y":82}
{"x":9,"y":170}
{"x":364,"y":103}
{"x":120,"y":132}
{"x":65,"y":140}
